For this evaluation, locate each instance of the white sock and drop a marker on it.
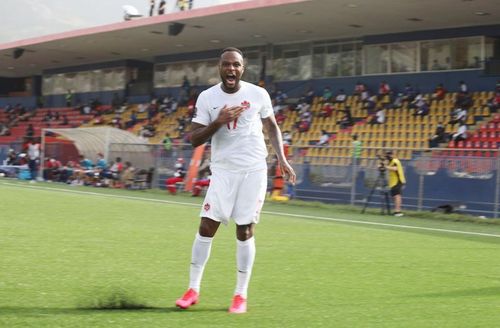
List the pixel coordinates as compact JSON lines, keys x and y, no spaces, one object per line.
{"x":200,"y":254}
{"x":245,"y":255}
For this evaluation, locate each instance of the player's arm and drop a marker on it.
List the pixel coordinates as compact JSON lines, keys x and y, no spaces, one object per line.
{"x":274,"y":134}
{"x":201,"y":133}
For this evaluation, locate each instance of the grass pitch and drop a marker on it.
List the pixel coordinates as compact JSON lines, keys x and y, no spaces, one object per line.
{"x":85,"y":257}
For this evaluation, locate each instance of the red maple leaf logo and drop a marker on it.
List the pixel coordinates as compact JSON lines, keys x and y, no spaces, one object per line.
{"x":245,"y":104}
{"x":206,"y":207}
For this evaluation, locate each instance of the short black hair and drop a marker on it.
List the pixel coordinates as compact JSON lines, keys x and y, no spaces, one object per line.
{"x":228,"y":49}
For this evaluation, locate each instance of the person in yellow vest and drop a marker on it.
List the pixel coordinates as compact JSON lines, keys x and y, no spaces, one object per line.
{"x":396,"y":181}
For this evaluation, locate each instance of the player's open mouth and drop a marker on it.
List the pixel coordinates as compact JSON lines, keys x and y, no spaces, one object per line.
{"x":231,"y":78}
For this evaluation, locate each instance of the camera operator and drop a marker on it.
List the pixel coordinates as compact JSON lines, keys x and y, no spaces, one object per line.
{"x":396,"y":180}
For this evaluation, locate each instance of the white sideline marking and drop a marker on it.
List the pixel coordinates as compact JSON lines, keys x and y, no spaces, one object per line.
{"x":322,"y":218}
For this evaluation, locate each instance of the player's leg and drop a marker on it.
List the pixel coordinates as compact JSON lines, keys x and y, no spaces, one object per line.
{"x":246,"y":214}
{"x":216,"y":208}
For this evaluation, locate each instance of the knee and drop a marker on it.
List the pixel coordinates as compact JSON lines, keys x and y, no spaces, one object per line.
{"x":244,"y":232}
{"x":207,"y":229}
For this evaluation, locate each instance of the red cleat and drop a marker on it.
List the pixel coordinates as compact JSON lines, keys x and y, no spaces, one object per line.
{"x":189,"y":298}
{"x":239,"y":305}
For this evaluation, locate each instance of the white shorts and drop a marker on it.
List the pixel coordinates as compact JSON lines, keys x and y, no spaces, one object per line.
{"x":239,"y":196}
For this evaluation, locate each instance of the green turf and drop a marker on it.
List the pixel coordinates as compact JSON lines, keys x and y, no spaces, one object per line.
{"x":83,"y":260}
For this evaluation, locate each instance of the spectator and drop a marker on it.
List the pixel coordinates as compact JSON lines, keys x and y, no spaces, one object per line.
{"x":128,"y":174}
{"x":180,"y":173}
{"x":462,"y":87}
{"x":167,"y":143}
{"x":379,"y":117}
{"x":132,"y":121}
{"x":494,"y":103}
{"x":327,"y":94}
{"x":161,"y":7}
{"x":458,"y":115}
{"x":356,"y":149}
{"x":422,"y":108}
{"x":359,"y":88}
{"x":4,"y":129}
{"x":116,"y":171}
{"x":64,"y":120}
{"x":341,"y":97}
{"x":439,"y":92}
{"x":370,"y":104}
{"x":345,"y":121}
{"x":33,"y":158}
{"x":326,"y":110}
{"x":280,"y":117}
{"x":69,"y":98}
{"x":151,"y":7}
{"x":461,"y":134}
{"x":438,"y":137}
{"x":30,"y":131}
{"x":384,"y":89}
{"x":398,"y":101}
{"x":325,"y":138}
{"x":409,"y":93}
{"x":287,"y":138}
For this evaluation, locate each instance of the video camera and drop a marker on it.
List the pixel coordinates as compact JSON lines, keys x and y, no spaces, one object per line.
{"x":381,"y":164}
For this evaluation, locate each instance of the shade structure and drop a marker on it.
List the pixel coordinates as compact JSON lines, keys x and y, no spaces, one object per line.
{"x":91,"y":141}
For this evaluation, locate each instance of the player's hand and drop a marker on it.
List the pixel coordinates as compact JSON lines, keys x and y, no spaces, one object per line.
{"x":229,"y":114}
{"x":288,"y":172}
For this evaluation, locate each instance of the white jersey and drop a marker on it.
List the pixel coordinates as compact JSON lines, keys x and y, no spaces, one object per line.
{"x":238,"y":145}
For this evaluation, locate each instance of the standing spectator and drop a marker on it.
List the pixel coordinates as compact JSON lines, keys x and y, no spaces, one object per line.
{"x":327,"y":94}
{"x":494,"y":103}
{"x":396,"y":181}
{"x":161,"y":7}
{"x":287,"y":138}
{"x":33,"y":158}
{"x":69,"y":98}
{"x":384,"y":89}
{"x":167,"y":143}
{"x":359,"y":88}
{"x":151,"y":7}
{"x":356,"y":149}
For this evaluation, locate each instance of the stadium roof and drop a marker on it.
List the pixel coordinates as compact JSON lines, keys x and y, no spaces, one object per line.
{"x":255,"y":22}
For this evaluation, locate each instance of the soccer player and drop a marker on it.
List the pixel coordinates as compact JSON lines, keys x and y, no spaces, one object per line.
{"x":232,"y":113}
{"x":396,"y":181}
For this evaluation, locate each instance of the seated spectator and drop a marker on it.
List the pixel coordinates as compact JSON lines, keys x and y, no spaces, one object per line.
{"x":280,"y":117}
{"x":327,"y":94}
{"x":370,"y":104}
{"x":345,"y":122}
{"x":464,"y":100}
{"x":461,"y":133}
{"x":30,"y":131}
{"x":439,"y":136}
{"x":359,"y":88}
{"x":493,"y":103}
{"x":417,"y":102}
{"x":458,"y":115}
{"x":4,"y":129}
{"x":281,"y":97}
{"x":309,"y":97}
{"x":398,"y":101}
{"x":132,"y":121}
{"x":422,"y":108}
{"x":462,"y":87}
{"x":148,"y":130}
{"x":180,"y":173}
{"x":384,"y":89}
{"x":116,"y":170}
{"x":128,"y":174}
{"x":341,"y":97}
{"x":326,"y":110}
{"x":48,"y":116}
{"x":365,"y":94}
{"x":11,"y":158}
{"x":409,"y":93}
{"x":64,"y":120}
{"x":379,"y":117}
{"x":182,"y":122}
{"x":52,"y":169}
{"x":287,"y":137}
{"x":325,"y":138}
{"x":439,"y":92}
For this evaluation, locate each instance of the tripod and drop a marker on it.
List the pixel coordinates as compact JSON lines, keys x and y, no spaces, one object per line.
{"x":380,"y":183}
